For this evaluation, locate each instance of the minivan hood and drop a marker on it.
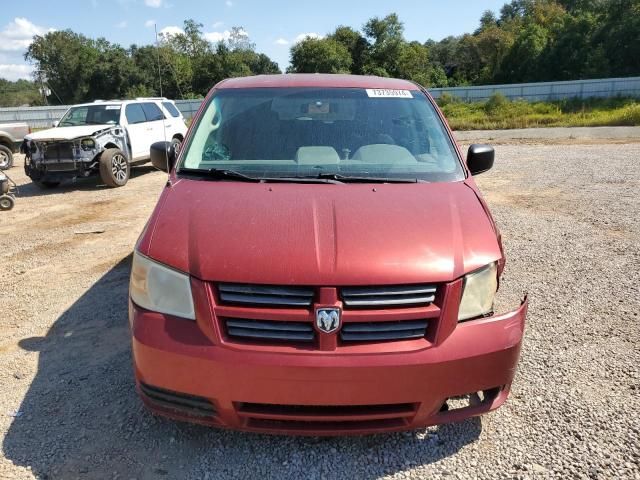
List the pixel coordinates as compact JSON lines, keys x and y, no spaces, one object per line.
{"x":67,"y":133}
{"x":321,"y":234}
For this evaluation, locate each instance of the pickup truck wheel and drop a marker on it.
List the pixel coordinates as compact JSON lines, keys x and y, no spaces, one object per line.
{"x":114,"y":167}
{"x":6,"y":158}
{"x":6,"y":202}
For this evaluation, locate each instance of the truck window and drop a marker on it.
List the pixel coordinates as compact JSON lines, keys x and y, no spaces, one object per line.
{"x":134,"y":113}
{"x":152,"y":112}
{"x":171,"y":108}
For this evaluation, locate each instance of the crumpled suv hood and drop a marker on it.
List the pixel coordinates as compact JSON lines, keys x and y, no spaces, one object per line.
{"x":67,"y":133}
{"x":321,"y":234}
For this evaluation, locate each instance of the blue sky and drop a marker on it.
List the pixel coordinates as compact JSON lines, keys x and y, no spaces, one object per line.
{"x":272,"y":25}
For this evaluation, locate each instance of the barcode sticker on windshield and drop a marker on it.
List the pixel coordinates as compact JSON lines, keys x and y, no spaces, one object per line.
{"x":112,"y":107}
{"x":386,"y":93}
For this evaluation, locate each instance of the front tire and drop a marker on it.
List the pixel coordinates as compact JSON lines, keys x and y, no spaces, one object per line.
{"x":6,"y":202}
{"x":6,"y":158}
{"x":176,"y":143}
{"x":114,"y":168}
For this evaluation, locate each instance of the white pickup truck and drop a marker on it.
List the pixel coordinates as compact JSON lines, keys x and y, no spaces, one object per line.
{"x":11,"y":136}
{"x":101,"y":138}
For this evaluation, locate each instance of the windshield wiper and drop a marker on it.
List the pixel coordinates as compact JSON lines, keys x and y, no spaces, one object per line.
{"x":353,"y":179}
{"x":224,"y":174}
{"x":219,"y":174}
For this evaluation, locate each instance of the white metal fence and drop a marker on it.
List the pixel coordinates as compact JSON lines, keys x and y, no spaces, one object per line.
{"x":601,"y":88}
{"x":43,"y":117}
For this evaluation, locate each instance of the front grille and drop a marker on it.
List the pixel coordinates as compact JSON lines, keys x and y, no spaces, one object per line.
{"x":326,"y":417}
{"x":327,"y":427}
{"x":273,"y":296}
{"x":387,"y":296}
{"x":191,"y":405}
{"x":323,"y":412}
{"x":58,"y":151}
{"x":383,"y":331}
{"x":269,"y":330}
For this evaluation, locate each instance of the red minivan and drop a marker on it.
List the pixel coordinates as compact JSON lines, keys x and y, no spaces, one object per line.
{"x":321,"y":262}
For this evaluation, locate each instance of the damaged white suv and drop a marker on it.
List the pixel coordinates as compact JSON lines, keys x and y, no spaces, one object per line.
{"x":103,"y":137}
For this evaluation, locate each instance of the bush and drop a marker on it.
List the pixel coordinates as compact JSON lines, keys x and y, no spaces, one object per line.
{"x":447,"y":99}
{"x":496,"y":102}
{"x":500,"y":113}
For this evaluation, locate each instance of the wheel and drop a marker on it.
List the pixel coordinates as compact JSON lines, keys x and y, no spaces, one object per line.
{"x":6,"y":202}
{"x":176,"y":143}
{"x":46,"y":184}
{"x":6,"y":158}
{"x":114,"y":167}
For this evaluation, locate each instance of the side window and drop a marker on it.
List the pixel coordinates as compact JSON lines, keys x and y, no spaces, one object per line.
{"x":152,"y":112}
{"x":134,"y":113}
{"x":171,"y":108}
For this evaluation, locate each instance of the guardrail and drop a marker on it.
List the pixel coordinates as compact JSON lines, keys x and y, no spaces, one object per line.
{"x":43,"y":117}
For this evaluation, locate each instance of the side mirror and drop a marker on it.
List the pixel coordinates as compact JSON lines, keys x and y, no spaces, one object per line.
{"x":55,"y":124}
{"x":163,"y":155}
{"x":480,"y":158}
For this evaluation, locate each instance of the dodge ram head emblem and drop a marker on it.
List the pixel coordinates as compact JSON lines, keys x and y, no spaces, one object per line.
{"x":328,"y":319}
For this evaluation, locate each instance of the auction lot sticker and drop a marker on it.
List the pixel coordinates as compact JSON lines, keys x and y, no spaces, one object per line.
{"x":386,"y":93}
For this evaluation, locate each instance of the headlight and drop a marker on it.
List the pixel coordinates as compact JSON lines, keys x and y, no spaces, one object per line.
{"x":478,"y":292}
{"x":160,"y":289}
{"x":88,"y":143}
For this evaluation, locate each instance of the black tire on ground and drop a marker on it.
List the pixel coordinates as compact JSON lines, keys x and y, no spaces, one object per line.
{"x":6,"y":158}
{"x":46,"y":184}
{"x":6,"y":202}
{"x":176,"y":143}
{"x":114,"y":167}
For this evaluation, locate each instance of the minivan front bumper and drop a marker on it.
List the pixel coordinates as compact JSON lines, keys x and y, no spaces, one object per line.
{"x":182,"y":374}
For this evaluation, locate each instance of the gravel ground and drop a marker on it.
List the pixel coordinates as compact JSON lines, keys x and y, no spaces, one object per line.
{"x":570,"y":222}
{"x":555,"y":134}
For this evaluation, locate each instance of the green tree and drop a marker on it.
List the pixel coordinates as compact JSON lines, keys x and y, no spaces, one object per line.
{"x":320,"y":55}
{"x":522,"y":63}
{"x":20,"y":92}
{"x":185,"y":64}
{"x":66,"y":61}
{"x":387,"y":41}
{"x":413,"y":64}
{"x":356,"y":44}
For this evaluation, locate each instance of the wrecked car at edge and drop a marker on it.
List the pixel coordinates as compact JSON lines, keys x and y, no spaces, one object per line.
{"x":103,"y":138}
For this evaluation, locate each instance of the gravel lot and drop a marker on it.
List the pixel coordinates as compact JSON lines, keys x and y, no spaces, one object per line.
{"x":571,"y":227}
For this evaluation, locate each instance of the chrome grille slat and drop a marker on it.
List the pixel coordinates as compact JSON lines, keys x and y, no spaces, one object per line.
{"x":388,"y":296}
{"x":270,"y":330}
{"x":266,"y":295}
{"x":383,"y":331}
{"x":402,"y":290}
{"x":385,"y":326}
{"x":268,"y":325}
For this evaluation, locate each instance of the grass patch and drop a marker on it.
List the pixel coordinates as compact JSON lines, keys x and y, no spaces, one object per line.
{"x":501,"y":113}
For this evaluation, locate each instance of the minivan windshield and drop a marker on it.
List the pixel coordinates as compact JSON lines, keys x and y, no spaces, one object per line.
{"x":308,"y":132}
{"x":91,"y":115}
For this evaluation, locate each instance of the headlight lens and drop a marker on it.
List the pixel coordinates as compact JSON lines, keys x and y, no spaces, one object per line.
{"x":88,"y":143}
{"x":478,"y":292}
{"x":160,"y":289}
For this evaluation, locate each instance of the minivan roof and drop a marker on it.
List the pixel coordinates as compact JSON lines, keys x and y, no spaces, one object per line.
{"x":292,"y":80}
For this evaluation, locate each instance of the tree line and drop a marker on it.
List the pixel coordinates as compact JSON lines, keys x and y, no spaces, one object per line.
{"x":527,"y":41}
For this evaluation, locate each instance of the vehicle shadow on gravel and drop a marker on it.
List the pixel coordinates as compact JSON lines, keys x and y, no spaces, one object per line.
{"x":83,"y":184}
{"x":81,"y":417}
